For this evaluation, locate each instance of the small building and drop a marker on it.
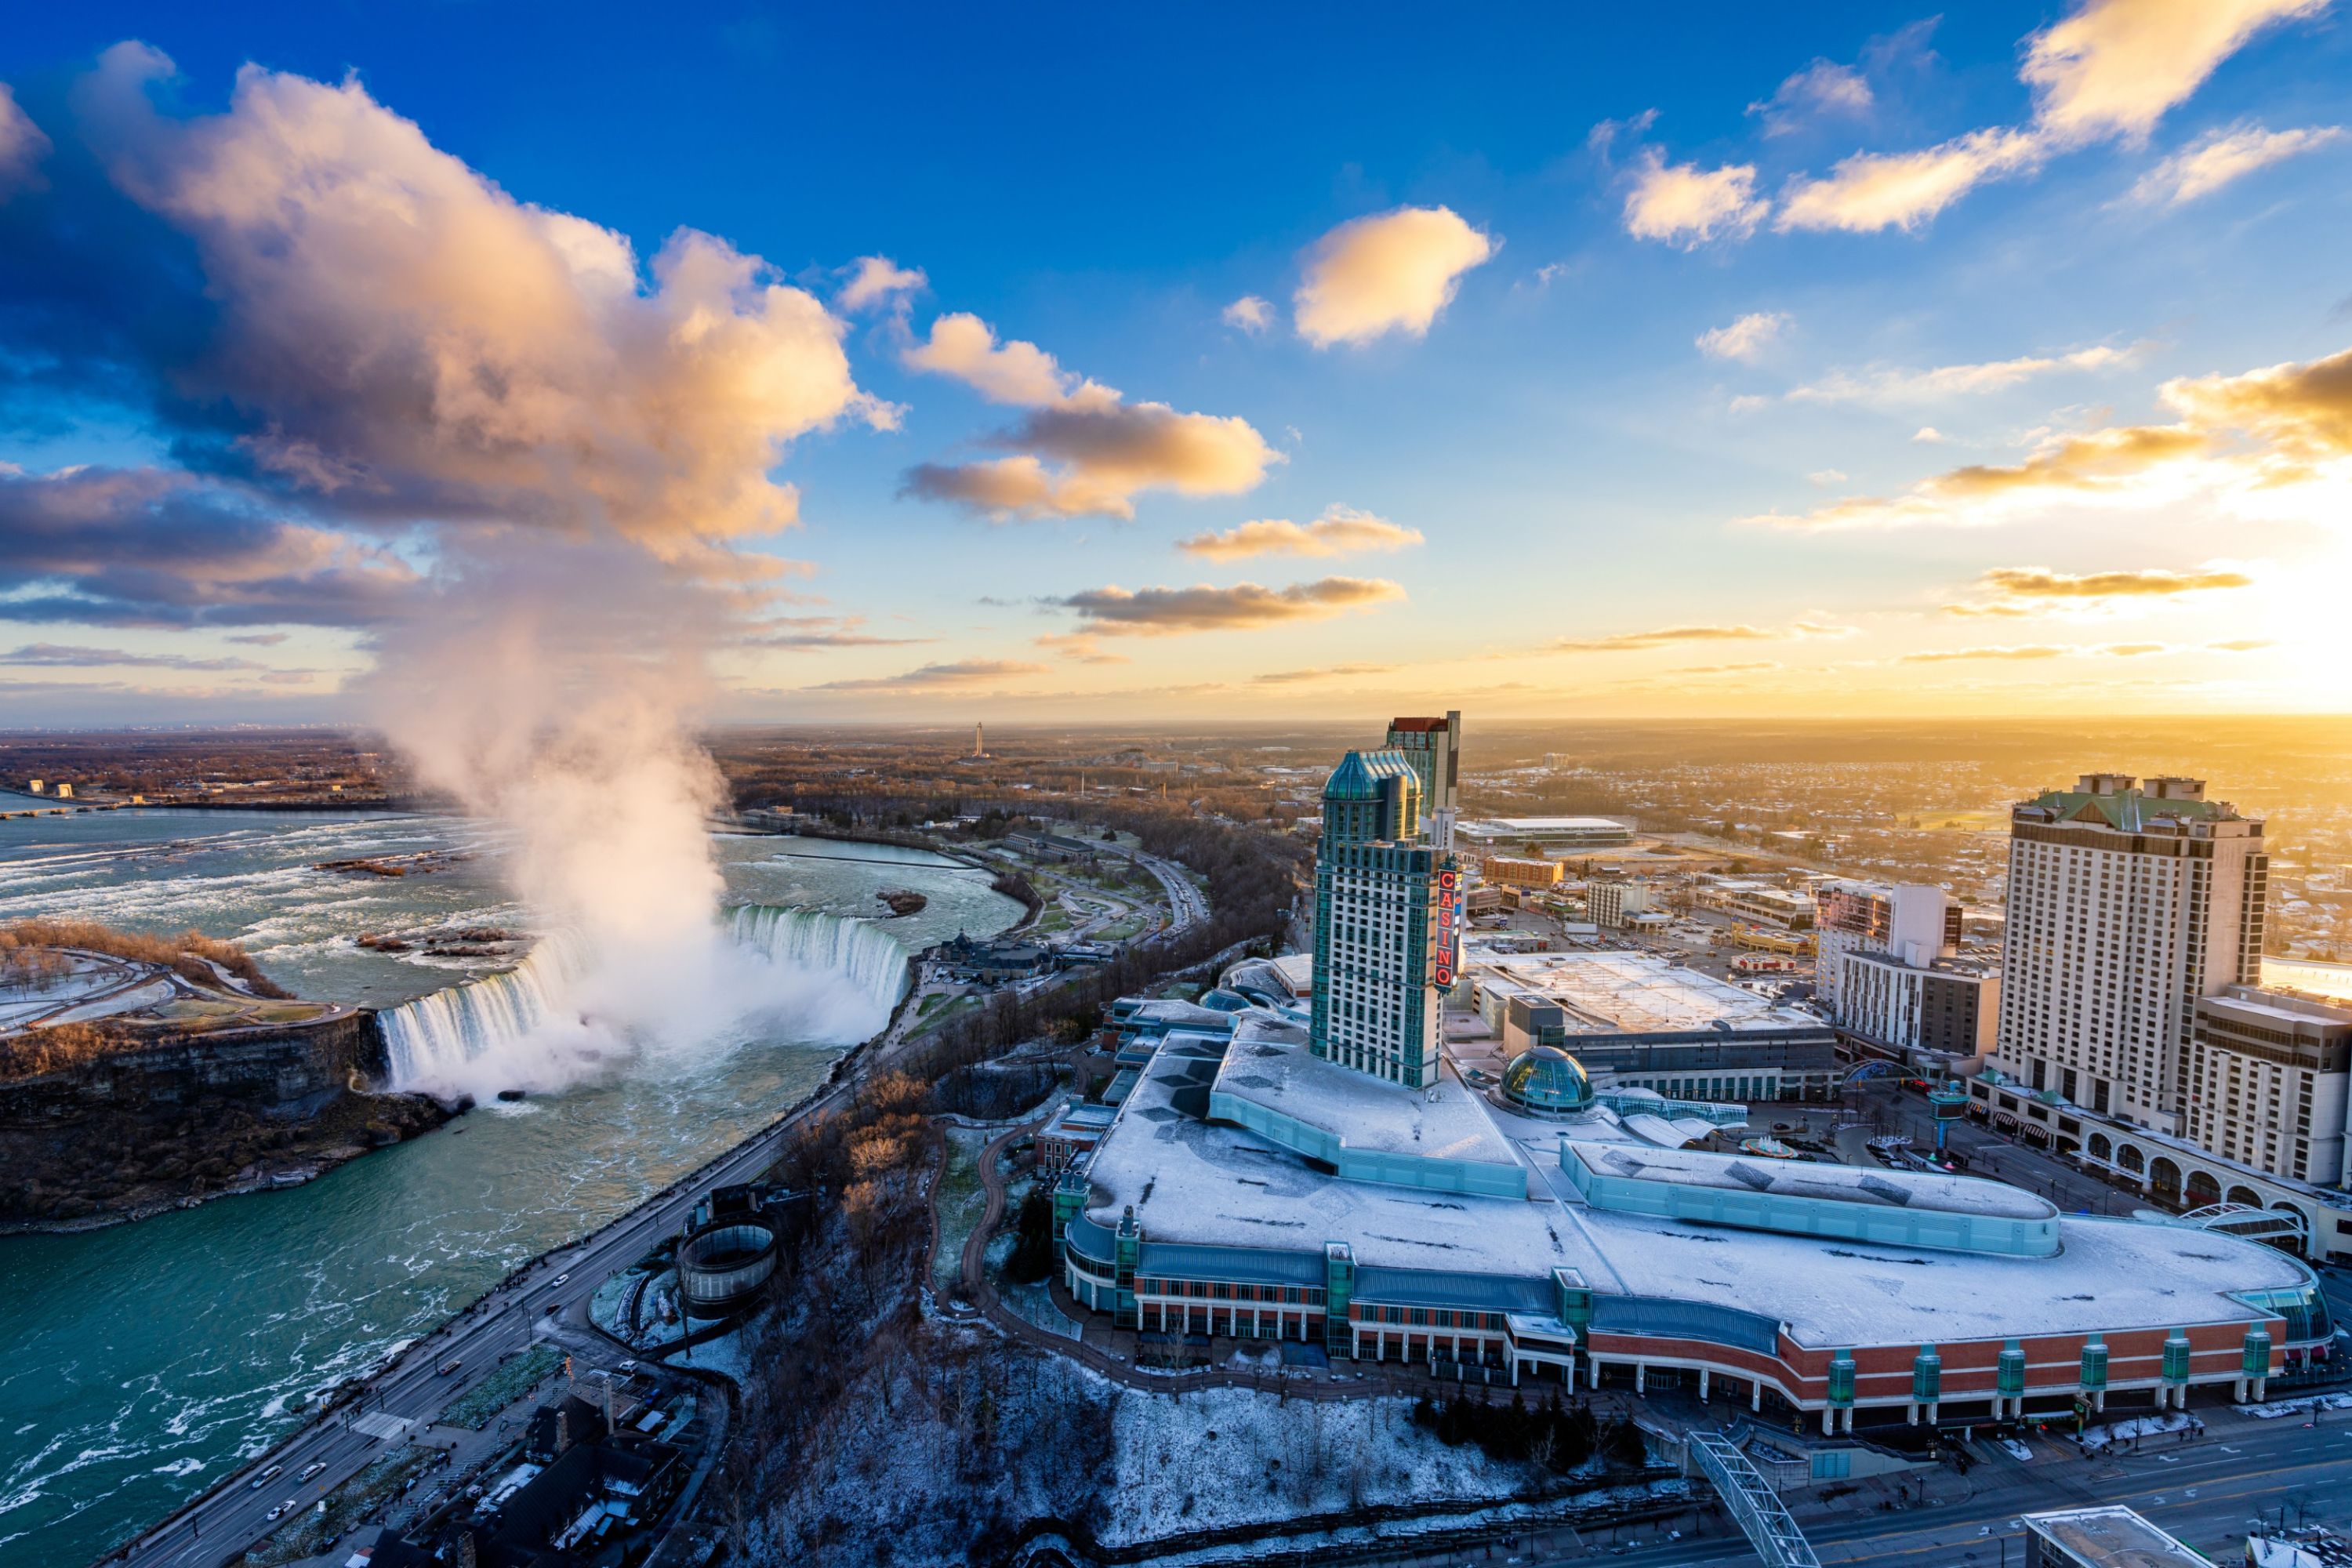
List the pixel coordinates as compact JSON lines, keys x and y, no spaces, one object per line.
{"x":2111,"y":1537}
{"x":64,"y":792}
{"x":974,"y":963}
{"x":1761,"y":902}
{"x":1553,"y":836}
{"x":1613,"y":906}
{"x":1521,"y":872}
{"x":34,"y":787}
{"x":1073,"y":1134}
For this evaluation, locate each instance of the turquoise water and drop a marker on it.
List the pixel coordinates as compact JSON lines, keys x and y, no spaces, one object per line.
{"x":137,"y":1363}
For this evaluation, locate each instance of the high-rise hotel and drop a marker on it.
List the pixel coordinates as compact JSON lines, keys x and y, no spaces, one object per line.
{"x":1376,"y":912}
{"x":2126,"y":904}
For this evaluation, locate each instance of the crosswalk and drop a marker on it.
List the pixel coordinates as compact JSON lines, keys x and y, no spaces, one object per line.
{"x":382,"y":1424}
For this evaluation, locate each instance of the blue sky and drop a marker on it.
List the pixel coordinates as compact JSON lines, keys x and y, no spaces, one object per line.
{"x":2168,"y":206}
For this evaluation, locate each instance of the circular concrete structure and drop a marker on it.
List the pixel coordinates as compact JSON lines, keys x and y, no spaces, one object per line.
{"x":722,"y":1266}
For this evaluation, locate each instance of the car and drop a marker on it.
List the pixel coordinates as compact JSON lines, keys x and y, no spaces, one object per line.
{"x":312,"y":1468}
{"x":562,"y":1279}
{"x":628,"y":1369}
{"x":281,"y":1511}
{"x":267,"y":1476}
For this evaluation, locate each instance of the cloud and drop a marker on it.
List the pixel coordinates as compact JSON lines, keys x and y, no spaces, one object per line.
{"x":1928,"y":435}
{"x":1328,"y":672}
{"x":1741,"y":667}
{"x":878,"y":281}
{"x":1391,"y":272}
{"x":402,"y":339}
{"x":1953,"y":655}
{"x":258,"y":639}
{"x":1684,"y":205}
{"x":819,"y":631}
{"x":963,"y":346}
{"x":1872,"y":190}
{"x":962,"y":672}
{"x":1822,"y":90}
{"x":1249,"y":313}
{"x":1626,"y":642}
{"x":2240,"y":645}
{"x":1896,"y":385}
{"x":156,"y":548}
{"x":22,"y":146}
{"x":1746,"y":337}
{"x":2040,"y":582}
{"x":2114,"y":67}
{"x":1079,"y":648}
{"x":1163,"y":612}
{"x":2260,"y":433}
{"x":1826,"y":476}
{"x":2220,"y":156}
{"x":1340,"y":531}
{"x":67,"y":656}
{"x":1108,"y":449}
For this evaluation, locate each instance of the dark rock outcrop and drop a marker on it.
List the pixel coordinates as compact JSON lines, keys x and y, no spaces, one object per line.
{"x":177,"y":1118}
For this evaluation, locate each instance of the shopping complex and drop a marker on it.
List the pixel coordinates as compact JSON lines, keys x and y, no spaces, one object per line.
{"x":1539,"y":1205}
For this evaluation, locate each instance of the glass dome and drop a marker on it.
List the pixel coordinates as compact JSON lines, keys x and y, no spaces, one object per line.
{"x":1547,"y":1079}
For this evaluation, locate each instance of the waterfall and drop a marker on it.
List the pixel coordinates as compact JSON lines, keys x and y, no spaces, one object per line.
{"x":825,"y":978}
{"x":868,"y":955}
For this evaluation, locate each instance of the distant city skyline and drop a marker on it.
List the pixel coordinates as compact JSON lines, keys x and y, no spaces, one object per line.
{"x":1846,"y":360}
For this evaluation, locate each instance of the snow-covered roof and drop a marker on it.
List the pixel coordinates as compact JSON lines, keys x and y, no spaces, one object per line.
{"x":1808,"y":1179}
{"x":1441,"y":1122}
{"x":1194,"y":1183}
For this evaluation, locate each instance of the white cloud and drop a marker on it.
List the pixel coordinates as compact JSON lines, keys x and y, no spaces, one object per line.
{"x":1745,"y":337}
{"x":2116,"y":67}
{"x":1393,"y":271}
{"x":1894,"y":385}
{"x":1684,"y":205}
{"x":877,"y":280}
{"x":2220,"y":156}
{"x":1821,"y":89}
{"x":1250,"y":314}
{"x":411,"y":340}
{"x":963,"y":346}
{"x":1825,"y":477}
{"x":1108,"y":448}
{"x":1928,"y":435}
{"x":22,"y":145}
{"x":1340,"y":531}
{"x":1873,"y":191}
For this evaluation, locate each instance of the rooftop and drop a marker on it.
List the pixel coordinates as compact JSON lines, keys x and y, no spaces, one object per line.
{"x":2111,"y":1537}
{"x":1809,"y":1179}
{"x":1628,"y":993}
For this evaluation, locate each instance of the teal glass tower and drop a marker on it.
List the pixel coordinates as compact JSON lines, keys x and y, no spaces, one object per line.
{"x":1375,"y":884}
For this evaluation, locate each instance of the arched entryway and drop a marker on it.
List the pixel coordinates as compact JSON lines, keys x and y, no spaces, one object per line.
{"x":2130,"y":1160}
{"x":2246,"y":1196}
{"x":2101,"y":1147}
{"x":2203,"y":1189}
{"x":2164,"y":1179}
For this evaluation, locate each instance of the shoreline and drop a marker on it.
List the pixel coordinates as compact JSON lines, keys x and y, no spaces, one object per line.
{"x":848,"y":1063}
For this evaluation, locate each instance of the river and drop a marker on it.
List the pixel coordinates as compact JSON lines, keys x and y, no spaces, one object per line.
{"x":138,"y":1363}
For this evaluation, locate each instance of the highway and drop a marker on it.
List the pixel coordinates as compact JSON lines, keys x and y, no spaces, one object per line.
{"x":234,"y":1515}
{"x":231,"y":1518}
{"x":2207,"y":1492}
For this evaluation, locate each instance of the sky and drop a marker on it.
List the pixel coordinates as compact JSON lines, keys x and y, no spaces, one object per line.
{"x":1056,"y":365}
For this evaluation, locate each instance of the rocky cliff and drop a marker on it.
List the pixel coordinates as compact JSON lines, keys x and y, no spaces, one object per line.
{"x":176,"y":1117}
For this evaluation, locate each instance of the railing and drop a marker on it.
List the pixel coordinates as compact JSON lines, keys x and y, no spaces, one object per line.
{"x":1754,"y":1505}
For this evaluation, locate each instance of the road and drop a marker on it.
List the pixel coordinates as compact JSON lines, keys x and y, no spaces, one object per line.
{"x":2207,"y":1492}
{"x":504,"y":1321}
{"x":232,"y":1517}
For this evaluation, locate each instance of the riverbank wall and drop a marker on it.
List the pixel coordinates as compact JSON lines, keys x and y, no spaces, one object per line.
{"x":179,"y":1118}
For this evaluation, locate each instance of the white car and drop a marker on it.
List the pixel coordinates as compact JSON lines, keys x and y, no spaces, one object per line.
{"x":265,"y":1477}
{"x":312,"y":1468}
{"x":281,"y":1511}
{"x":562,"y":1279}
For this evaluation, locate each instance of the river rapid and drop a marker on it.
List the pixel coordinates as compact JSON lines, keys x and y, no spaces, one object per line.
{"x":139,"y":1362}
